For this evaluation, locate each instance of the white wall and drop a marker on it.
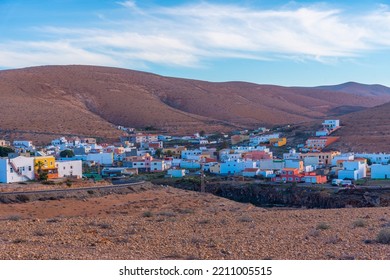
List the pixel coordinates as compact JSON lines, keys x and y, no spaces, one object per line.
{"x":102,"y":158}
{"x":375,"y":158}
{"x":380,"y":171}
{"x":70,"y":168}
{"x":25,"y":166}
{"x":271,"y":164}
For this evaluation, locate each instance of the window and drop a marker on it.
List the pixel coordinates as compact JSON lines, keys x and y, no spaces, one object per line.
{"x":290,"y":178}
{"x":11,"y":170}
{"x":29,"y":168}
{"x":71,"y":167}
{"x":297,"y":179}
{"x":290,"y":173}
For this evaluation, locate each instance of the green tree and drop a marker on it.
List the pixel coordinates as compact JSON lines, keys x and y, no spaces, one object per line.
{"x":42,"y":174}
{"x":67,"y":154}
{"x":4,"y":151}
{"x":169,"y":153}
{"x":159,"y":153}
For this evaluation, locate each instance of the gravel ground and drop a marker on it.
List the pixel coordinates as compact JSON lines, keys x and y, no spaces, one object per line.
{"x":169,"y":223}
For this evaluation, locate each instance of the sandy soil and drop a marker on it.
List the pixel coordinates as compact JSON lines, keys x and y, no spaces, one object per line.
{"x":57,"y":184}
{"x":168,"y":223}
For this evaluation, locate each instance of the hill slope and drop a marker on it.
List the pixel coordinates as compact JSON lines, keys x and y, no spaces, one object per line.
{"x":88,"y":100}
{"x":360,"y":89}
{"x":366,"y":131}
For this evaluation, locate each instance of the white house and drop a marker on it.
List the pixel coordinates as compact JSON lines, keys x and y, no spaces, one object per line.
{"x":331,"y":124}
{"x":17,"y":169}
{"x":25,"y":145}
{"x":191,"y":154}
{"x":380,"y":158}
{"x":257,"y":139}
{"x":311,"y":161}
{"x":101,"y":158}
{"x":60,"y":141}
{"x":250,"y":172}
{"x":353,"y":170}
{"x":294,"y":163}
{"x":70,"y":168}
{"x":236,"y":166}
{"x":230,"y":157}
{"x":157,"y":165}
{"x":343,"y":157}
{"x":292,"y":154}
{"x":380,"y":171}
{"x":271,"y":164}
{"x":189,"y":164}
{"x":176,"y":173}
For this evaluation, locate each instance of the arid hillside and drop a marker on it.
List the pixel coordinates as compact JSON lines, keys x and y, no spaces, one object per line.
{"x":88,"y":100}
{"x":168,"y":223}
{"x":366,"y":131}
{"x":360,"y":89}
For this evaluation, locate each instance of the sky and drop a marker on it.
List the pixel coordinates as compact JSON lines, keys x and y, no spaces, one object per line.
{"x":290,"y":43}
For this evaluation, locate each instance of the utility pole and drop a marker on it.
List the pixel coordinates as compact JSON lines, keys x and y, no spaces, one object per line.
{"x":202,"y":184}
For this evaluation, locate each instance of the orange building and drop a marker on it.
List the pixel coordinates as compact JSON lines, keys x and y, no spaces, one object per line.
{"x":318,"y":143}
{"x":314,"y":178}
{"x":46,"y":164}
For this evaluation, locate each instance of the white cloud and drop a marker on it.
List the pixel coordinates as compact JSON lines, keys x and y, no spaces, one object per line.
{"x":128,"y":4}
{"x":191,"y":34}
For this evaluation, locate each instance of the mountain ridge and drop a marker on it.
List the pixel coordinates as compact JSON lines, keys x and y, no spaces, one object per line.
{"x":92,"y":100}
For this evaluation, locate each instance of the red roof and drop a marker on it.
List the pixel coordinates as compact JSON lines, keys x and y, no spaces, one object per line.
{"x":251,"y":169}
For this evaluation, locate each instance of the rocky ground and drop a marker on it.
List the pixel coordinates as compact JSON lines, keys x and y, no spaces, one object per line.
{"x":168,"y":223}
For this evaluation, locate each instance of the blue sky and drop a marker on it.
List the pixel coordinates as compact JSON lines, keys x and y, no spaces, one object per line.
{"x":299,"y":43}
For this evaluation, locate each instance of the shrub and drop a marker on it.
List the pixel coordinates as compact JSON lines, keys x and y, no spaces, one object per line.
{"x":39,"y":233}
{"x":204,"y":222}
{"x":384,"y":236}
{"x":167,"y":214}
{"x":245,"y":219}
{"x":19,"y":240}
{"x":53,"y":220}
{"x":22,"y":198}
{"x":104,"y":226}
{"x":14,"y":218}
{"x":147,"y":214}
{"x":323,"y":226}
{"x":186,"y":211}
{"x":359,"y":223}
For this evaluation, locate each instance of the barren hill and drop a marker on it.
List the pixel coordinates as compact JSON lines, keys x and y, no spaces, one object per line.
{"x":366,"y":131}
{"x":89,"y":100}
{"x":360,"y":89}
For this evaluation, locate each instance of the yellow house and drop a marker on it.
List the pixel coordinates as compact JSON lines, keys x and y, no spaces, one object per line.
{"x":278,"y":142}
{"x":46,"y":164}
{"x":323,"y":157}
{"x":175,"y":151}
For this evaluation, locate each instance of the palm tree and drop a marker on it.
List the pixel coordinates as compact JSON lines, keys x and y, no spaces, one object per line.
{"x":42,"y":176}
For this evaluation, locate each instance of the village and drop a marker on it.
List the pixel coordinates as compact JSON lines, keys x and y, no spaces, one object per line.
{"x":240,"y":154}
